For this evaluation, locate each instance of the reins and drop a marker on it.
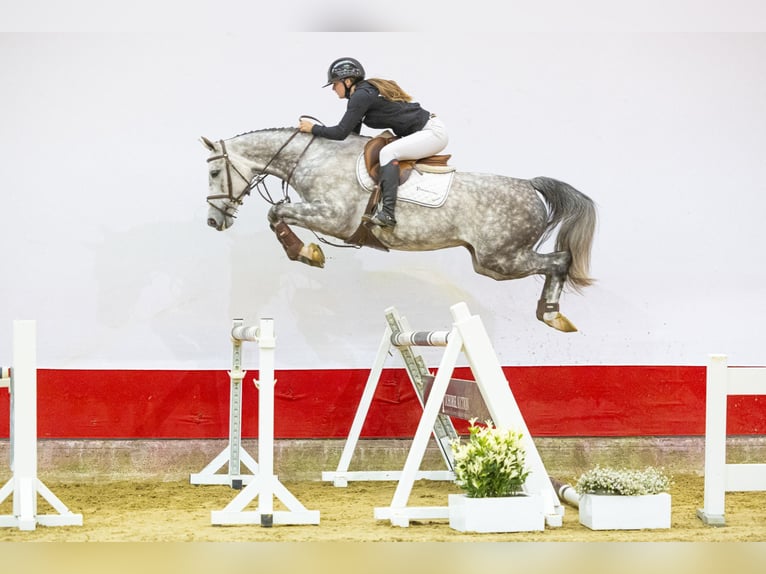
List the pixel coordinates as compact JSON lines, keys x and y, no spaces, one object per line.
{"x":257,"y":181}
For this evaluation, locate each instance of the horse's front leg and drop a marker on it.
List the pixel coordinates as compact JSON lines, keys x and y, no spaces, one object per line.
{"x":295,"y":249}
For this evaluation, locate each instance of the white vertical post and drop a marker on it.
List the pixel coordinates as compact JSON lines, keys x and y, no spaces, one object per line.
{"x":721,"y":477}
{"x":716,"y":401}
{"x":266,"y":342}
{"x":24,"y":431}
{"x":235,"y":408}
{"x":25,"y":486}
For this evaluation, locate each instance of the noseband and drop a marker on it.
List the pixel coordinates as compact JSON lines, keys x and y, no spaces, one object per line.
{"x":233,"y":201}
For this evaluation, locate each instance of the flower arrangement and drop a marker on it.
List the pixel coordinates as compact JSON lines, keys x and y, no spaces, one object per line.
{"x":491,"y":463}
{"x":607,"y":480}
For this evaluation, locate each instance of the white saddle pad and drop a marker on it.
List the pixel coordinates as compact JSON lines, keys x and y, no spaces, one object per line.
{"x":427,"y":189}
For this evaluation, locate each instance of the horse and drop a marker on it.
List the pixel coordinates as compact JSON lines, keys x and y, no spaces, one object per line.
{"x":500,"y":220}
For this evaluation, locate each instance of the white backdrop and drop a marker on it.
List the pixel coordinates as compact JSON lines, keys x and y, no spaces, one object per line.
{"x":103,"y":234}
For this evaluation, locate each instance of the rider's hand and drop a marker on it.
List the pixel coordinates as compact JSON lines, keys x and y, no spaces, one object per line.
{"x":305,"y":126}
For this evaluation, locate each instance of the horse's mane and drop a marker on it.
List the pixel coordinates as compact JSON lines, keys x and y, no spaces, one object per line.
{"x":261,"y":130}
{"x":279,"y":130}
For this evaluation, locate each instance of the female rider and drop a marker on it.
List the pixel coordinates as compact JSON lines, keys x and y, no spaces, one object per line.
{"x":381,"y":104}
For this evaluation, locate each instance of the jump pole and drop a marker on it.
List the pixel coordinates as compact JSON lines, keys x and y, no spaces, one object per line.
{"x":265,"y":485}
{"x":24,"y":485}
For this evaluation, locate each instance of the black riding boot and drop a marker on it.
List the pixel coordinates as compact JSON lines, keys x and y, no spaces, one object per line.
{"x":389,"y":184}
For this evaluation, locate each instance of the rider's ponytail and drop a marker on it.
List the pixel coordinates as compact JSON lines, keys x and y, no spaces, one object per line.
{"x":390,"y":90}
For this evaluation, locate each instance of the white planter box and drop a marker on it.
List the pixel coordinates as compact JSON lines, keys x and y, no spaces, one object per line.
{"x":615,"y":512}
{"x":522,"y":513}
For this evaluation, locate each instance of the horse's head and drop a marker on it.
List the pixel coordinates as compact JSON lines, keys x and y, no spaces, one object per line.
{"x":229,"y":181}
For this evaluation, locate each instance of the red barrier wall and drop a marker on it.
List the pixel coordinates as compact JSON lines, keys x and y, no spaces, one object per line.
{"x":556,"y":401}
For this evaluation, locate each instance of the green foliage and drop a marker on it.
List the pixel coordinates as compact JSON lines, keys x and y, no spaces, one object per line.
{"x":606,"y":480}
{"x":491,"y":463}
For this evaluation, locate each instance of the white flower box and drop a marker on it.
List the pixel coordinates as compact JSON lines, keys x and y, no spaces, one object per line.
{"x":618,"y":512}
{"x":522,"y":513}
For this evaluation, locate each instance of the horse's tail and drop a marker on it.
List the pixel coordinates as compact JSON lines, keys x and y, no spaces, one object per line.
{"x":576,"y":213}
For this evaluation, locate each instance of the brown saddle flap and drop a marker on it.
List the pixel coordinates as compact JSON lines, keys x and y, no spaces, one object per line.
{"x":372,"y":158}
{"x":363,"y":236}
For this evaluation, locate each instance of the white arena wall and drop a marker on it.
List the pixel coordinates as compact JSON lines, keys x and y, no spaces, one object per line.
{"x":104,"y":236}
{"x":105,"y":244}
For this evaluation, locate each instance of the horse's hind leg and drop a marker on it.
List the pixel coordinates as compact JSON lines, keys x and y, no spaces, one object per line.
{"x":555,"y":272}
{"x":554,"y":266}
{"x":548,"y":305}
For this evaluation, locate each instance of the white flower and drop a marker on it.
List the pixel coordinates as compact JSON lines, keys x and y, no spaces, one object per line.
{"x":606,"y":480}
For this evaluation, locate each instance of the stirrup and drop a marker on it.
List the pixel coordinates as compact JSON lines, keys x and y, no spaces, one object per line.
{"x":382,"y":219}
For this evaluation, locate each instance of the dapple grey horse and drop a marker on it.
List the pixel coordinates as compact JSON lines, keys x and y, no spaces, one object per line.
{"x":500,"y":220}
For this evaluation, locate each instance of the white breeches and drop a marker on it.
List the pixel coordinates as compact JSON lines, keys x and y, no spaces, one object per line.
{"x":429,"y":141}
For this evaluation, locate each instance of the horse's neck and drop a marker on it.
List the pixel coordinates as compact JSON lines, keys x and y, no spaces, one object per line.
{"x":281,"y":150}
{"x":263,"y":150}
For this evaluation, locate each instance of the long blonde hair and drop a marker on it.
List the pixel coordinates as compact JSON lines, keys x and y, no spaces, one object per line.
{"x":390,"y":90}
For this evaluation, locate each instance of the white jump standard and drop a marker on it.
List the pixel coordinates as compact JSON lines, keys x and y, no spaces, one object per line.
{"x":24,"y":485}
{"x":469,"y":337}
{"x":443,"y":430}
{"x":264,"y":484}
{"x":234,"y":455}
{"x":722,"y":477}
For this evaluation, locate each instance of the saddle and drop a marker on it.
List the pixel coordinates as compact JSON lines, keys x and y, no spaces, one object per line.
{"x":363,"y":235}
{"x":432,"y":164}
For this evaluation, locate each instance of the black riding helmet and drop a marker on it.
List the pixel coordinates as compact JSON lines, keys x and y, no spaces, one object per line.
{"x":343,"y":68}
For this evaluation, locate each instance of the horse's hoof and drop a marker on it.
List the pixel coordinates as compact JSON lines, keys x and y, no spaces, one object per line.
{"x":559,"y":322}
{"x":313,"y":256}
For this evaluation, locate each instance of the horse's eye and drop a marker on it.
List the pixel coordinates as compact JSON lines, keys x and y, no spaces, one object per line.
{"x":215,"y":172}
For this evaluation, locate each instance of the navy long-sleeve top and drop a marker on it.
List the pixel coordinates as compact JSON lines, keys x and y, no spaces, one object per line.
{"x":366,"y":106}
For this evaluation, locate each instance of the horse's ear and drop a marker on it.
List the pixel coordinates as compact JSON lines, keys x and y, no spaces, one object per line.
{"x":208,"y":144}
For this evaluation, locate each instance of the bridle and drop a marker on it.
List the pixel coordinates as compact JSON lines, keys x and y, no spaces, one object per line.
{"x":234,"y":201}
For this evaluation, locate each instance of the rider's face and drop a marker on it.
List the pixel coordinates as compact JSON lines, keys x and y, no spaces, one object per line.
{"x":340,"y":87}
